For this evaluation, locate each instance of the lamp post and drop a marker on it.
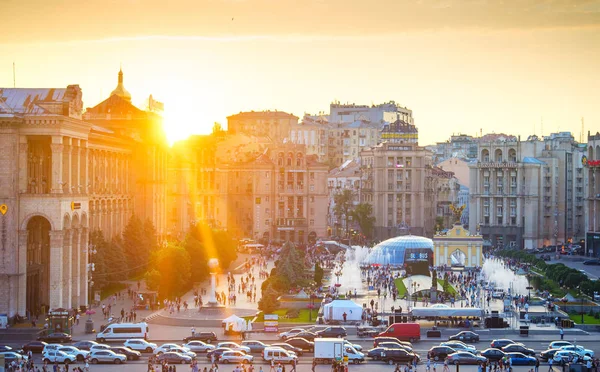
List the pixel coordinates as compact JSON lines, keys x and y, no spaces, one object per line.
{"x":91,"y":267}
{"x":415,"y":286}
{"x":581,"y":297}
{"x":311,"y":306}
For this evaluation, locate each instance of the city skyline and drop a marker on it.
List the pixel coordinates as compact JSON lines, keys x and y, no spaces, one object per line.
{"x":462,"y":67}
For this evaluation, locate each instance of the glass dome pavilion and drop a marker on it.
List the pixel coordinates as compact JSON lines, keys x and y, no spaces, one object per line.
{"x":400,"y":250}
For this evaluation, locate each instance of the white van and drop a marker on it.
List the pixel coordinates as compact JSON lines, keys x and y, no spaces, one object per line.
{"x":124,"y":331}
{"x":279,"y":355}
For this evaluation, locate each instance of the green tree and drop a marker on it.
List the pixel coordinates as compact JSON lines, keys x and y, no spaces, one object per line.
{"x":269,"y":303}
{"x":343,"y":205}
{"x":290,"y":264}
{"x":173,"y":263}
{"x":133,"y":244}
{"x":152,"y":279}
{"x":363,"y":215}
{"x":101,"y":268}
{"x":319,"y":273}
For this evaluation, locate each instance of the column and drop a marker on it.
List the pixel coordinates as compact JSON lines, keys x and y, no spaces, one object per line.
{"x":23,"y":148}
{"x":445,"y":253}
{"x":83,"y":261}
{"x":67,"y":266}
{"x":84,"y":155}
{"x":75,"y":173}
{"x":470,"y":261}
{"x":478,"y":247}
{"x":75,"y":266}
{"x":21,"y":290}
{"x":68,"y":187}
{"x":57,"y":164}
{"x":56,"y":269}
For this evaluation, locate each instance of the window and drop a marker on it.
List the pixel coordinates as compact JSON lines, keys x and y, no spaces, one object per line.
{"x":127,"y":330}
{"x":312,"y":222}
{"x":267,"y":222}
{"x":312,"y":175}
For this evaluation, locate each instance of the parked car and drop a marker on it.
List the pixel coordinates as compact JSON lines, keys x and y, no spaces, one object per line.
{"x":234,"y":346}
{"x":288,"y":347}
{"x":440,"y":352}
{"x":207,"y":337}
{"x":465,"y":336}
{"x":393,"y":356}
{"x":85,"y":345}
{"x":291,"y":333}
{"x":130,"y":354}
{"x":520,"y":359}
{"x":548,"y":354}
{"x":591,"y":262}
{"x":579,"y":350}
{"x":302,"y":343}
{"x":166,"y":347}
{"x":4,"y":348}
{"x":463,"y":357}
{"x":403,"y":331}
{"x":517,"y":348}
{"x":217,"y":352}
{"x":558,"y":344}
{"x":493,"y":355}
{"x":235,"y":356}
{"x":55,"y":356}
{"x":334,"y":331}
{"x":99,"y":347}
{"x":376,"y":352}
{"x":460,"y":346}
{"x":140,"y":345}
{"x":56,"y":337}
{"x":378,"y":340}
{"x":501,"y":342}
{"x":566,"y":356}
{"x":309,"y":336}
{"x":107,"y":356}
{"x":79,"y":355}
{"x":173,"y":357}
{"x":256,"y":347}
{"x":199,"y":346}
{"x":34,"y":346}
{"x":9,"y":356}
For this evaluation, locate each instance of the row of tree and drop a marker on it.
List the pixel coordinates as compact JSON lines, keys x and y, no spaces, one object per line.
{"x":344,"y":209}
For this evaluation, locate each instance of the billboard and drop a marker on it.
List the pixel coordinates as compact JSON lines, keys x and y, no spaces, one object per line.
{"x":271,"y":323}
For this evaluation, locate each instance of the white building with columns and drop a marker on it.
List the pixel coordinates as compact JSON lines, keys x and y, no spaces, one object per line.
{"x":52,"y":164}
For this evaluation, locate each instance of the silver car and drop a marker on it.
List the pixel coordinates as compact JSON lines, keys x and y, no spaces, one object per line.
{"x":199,"y":346}
{"x":107,"y":356}
{"x":236,"y":357}
{"x":80,"y":355}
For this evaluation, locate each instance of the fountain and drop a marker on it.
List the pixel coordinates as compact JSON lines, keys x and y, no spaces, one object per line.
{"x":350,"y":278}
{"x":212,"y":304}
{"x":495,"y":271}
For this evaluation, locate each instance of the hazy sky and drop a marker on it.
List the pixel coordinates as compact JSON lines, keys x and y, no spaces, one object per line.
{"x":461,"y":66}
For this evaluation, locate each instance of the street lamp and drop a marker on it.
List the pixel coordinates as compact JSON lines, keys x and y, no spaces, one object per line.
{"x":91,"y":267}
{"x":581,"y":297}
{"x":416,"y":286}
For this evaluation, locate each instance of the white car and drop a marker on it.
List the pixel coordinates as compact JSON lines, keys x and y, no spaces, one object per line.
{"x":80,"y":355}
{"x":233,"y":346}
{"x":140,"y":345}
{"x":55,"y":356}
{"x":99,"y":347}
{"x":566,"y":356}
{"x":168,"y":347}
{"x":558,"y":344}
{"x":356,"y":347}
{"x":51,"y":347}
{"x":291,"y":333}
{"x":199,"y":346}
{"x":580,"y":350}
{"x":107,"y":356}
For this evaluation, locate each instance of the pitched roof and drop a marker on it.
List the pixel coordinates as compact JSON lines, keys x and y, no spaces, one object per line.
{"x":116,"y":105}
{"x":30,"y":101}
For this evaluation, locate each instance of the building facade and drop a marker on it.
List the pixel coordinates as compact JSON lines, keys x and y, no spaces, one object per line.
{"x":275,"y":125}
{"x":386,"y":112}
{"x":592,"y":199}
{"x":397,"y":181}
{"x":345,"y":177}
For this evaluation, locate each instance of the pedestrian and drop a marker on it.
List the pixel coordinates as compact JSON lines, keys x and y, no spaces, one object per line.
{"x":193,"y":331}
{"x":550,"y":361}
{"x":428,"y":365}
{"x":314,"y":365}
{"x":446,"y":369}
{"x":562,"y":333}
{"x":537,"y":365}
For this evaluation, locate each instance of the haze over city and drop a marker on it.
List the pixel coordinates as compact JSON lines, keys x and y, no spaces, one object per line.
{"x":461,"y":66}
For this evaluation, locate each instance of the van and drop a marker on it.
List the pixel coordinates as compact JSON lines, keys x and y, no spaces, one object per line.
{"x":403,"y":331}
{"x":278,"y":354}
{"x":498,"y":293}
{"x":124,"y":331}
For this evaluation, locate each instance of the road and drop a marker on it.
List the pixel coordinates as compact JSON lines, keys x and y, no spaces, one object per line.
{"x":576,"y":262}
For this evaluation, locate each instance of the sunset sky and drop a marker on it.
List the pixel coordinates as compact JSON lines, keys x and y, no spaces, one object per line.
{"x":461,"y":66}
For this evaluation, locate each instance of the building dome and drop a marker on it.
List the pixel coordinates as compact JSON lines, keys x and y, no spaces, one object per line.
{"x":396,"y":251}
{"x":120,"y":89}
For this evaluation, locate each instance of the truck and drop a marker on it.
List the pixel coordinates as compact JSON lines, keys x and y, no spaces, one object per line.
{"x":328,"y":350}
{"x":403,"y":331}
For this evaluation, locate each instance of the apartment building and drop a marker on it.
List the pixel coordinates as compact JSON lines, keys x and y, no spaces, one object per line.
{"x":387,"y":112}
{"x":345,"y":177}
{"x":592,"y":195}
{"x":275,"y":125}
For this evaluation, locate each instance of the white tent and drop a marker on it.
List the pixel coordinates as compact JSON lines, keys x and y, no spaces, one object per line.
{"x":234,"y":323}
{"x":335,"y":310}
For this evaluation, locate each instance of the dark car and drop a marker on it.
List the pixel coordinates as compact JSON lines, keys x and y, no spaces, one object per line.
{"x":394,"y":345}
{"x":591,"y":262}
{"x":520,"y":359}
{"x":255,"y":346}
{"x":85,"y":345}
{"x":5,"y":348}
{"x":376,"y":352}
{"x":207,"y":337}
{"x":393,"y":356}
{"x":172,"y":357}
{"x":338,"y":332}
{"x":34,"y":346}
{"x":493,"y":355}
{"x":440,"y":352}
{"x":130,"y":354}
{"x":517,"y":348}
{"x":289,"y":347}
{"x":217,"y":352}
{"x":301,"y":343}
{"x":310,"y":336}
{"x":465,"y":336}
{"x":462,"y":357}
{"x":56,"y":338}
{"x":501,"y":342}
{"x":378,"y":340}
{"x":548,"y":354}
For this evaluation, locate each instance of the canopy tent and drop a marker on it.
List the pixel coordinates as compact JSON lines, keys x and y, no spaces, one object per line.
{"x":234,"y":323}
{"x":335,"y":310}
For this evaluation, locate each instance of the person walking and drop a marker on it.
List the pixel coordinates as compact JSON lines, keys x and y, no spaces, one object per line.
{"x":550,"y":361}
{"x":562,"y":333}
{"x":294,"y":362}
{"x":537,"y":365}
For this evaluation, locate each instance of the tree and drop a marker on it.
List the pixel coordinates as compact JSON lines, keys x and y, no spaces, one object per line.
{"x":100,"y":273}
{"x":152,"y":279}
{"x":173,"y":263}
{"x":362,"y":214}
{"x":291,"y":264}
{"x":342,"y":205}
{"x":133,"y":244}
{"x":269,"y":303}
{"x":319,"y":273}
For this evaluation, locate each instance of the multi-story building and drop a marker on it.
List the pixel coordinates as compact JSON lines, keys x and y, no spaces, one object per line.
{"x":592,"y":198}
{"x":275,"y":125}
{"x":345,"y":177}
{"x":459,"y":146}
{"x":357,"y":136}
{"x":400,"y":132}
{"x":147,"y":176}
{"x":388,"y":112}
{"x":313,"y":132}
{"x":446,"y":189}
{"x":397,"y":180}
{"x":524,"y":193}
{"x":61,"y":177}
